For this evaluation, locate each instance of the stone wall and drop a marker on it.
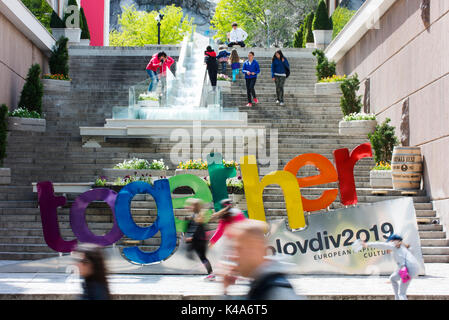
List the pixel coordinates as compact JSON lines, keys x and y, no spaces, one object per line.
{"x":406,"y":62}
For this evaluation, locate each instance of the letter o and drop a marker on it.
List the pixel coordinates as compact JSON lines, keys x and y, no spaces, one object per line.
{"x":294,"y":248}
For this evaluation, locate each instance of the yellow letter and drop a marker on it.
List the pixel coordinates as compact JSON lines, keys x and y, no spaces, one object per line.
{"x":254,"y":192}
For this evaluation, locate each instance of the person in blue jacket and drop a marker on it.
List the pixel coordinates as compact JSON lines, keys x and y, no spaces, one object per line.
{"x":280,"y":70}
{"x":222,"y":58}
{"x":251,"y":69}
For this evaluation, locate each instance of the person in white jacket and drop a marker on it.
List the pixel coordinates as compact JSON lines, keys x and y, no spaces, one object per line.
{"x":403,"y":257}
{"x":237,"y":36}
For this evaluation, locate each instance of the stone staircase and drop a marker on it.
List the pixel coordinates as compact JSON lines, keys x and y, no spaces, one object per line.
{"x":307,"y":123}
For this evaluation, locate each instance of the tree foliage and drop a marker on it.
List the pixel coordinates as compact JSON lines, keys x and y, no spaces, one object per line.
{"x":350,"y":102}
{"x":56,"y":21}
{"x":308,"y":34}
{"x":59,"y":59}
{"x":41,"y":10}
{"x":285,"y":18}
{"x":85,"y":33}
{"x":321,"y":20}
{"x":33,"y":90}
{"x":383,"y":140}
{"x":138,"y":28}
{"x":324,"y":68}
{"x":298,"y":38}
{"x":340,"y":18}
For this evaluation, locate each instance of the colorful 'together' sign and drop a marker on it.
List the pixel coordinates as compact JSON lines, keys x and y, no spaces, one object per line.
{"x":162,"y":189}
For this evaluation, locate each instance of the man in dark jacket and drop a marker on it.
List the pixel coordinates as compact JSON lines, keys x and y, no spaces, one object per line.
{"x":248,"y":250}
{"x":210,"y":58}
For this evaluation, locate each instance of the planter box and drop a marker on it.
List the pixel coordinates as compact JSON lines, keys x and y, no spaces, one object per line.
{"x":148,"y":103}
{"x":73,"y":34}
{"x":310,"y":45}
{"x":57,"y":85}
{"x":322,"y":38}
{"x":356,"y":127}
{"x":5,"y":176}
{"x":112,"y":174}
{"x":328,"y":88}
{"x":26,"y":124}
{"x":381,"y":179}
{"x":224,"y":85}
{"x":196,"y":172}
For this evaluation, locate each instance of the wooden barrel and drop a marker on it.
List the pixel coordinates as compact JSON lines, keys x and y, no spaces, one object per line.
{"x":406,"y":165}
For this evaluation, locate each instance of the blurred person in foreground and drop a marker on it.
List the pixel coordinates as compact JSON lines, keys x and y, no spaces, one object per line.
{"x":248,"y":259}
{"x":91,"y":264}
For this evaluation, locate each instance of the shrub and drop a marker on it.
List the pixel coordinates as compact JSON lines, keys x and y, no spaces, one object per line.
{"x":321,"y":20}
{"x":85,"y":33}
{"x":308,"y":34}
{"x":24,"y":113}
{"x":56,"y":21}
{"x":383,"y":140}
{"x":32,"y":92}
{"x":59,"y":59}
{"x":350,"y":102}
{"x":3,"y":131}
{"x":340,"y":18}
{"x":324,"y":68}
{"x":298,"y":41}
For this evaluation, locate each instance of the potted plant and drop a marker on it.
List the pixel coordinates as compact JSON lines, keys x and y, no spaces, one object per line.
{"x":354,"y":123}
{"x":325,"y":69}
{"x":322,"y":26}
{"x":383,"y":140}
{"x":137,"y":167}
{"x":195,"y":167}
{"x":5,"y":173}
{"x":58,"y":79}
{"x":120,"y":182}
{"x":28,"y":115}
{"x":309,"y":42}
{"x":224,"y":82}
{"x":67,"y":26}
{"x":148,"y":99}
{"x":329,"y":85}
{"x":85,"y":33}
{"x":235,"y":188}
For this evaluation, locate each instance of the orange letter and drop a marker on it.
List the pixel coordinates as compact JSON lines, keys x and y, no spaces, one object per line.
{"x":254,"y":192}
{"x":327,"y":174}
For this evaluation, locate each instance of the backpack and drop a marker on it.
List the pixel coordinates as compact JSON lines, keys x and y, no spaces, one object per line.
{"x":287,"y":71}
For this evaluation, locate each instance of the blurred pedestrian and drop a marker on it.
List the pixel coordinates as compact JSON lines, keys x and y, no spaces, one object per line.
{"x":227,"y":215}
{"x":251,"y":69}
{"x":210,"y":58}
{"x":157,"y":67}
{"x":92,"y":269}
{"x":407,"y":265}
{"x":234,"y":61}
{"x":223,"y":57}
{"x":280,"y":70}
{"x":196,"y":234}
{"x":237,"y":36}
{"x":248,"y":254}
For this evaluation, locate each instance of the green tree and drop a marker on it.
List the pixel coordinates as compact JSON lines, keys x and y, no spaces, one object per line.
{"x":41,"y":10}
{"x":56,"y":21}
{"x":350,"y":102}
{"x":32,"y":92}
{"x":298,"y":40}
{"x":3,"y":131}
{"x":138,"y":28}
{"x":321,"y":20}
{"x":85,"y":33}
{"x":383,"y":140}
{"x":340,"y":18}
{"x":59,"y":59}
{"x":308,"y":34}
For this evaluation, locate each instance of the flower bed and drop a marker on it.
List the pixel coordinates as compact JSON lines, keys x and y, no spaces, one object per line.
{"x":137,"y":167}
{"x":22,"y":119}
{"x":381,"y":176}
{"x":357,"y":124}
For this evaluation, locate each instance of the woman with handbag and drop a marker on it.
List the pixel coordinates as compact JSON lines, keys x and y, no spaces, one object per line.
{"x":280,"y":70}
{"x":407,"y":265}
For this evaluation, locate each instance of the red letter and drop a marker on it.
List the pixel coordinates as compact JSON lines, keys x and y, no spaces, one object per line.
{"x":327,"y":175}
{"x":345,"y":161}
{"x":48,"y":205}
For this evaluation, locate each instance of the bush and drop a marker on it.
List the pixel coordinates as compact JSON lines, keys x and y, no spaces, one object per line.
{"x":59,"y":59}
{"x":56,"y":21}
{"x":383,"y":140}
{"x":321,"y":20}
{"x":308,"y":34}
{"x":350,"y":102}
{"x":340,"y":18}
{"x":33,"y":90}
{"x":3,"y":131}
{"x":24,"y":113}
{"x":324,"y":68}
{"x":41,"y":10}
{"x":298,"y":39}
{"x":85,"y":33}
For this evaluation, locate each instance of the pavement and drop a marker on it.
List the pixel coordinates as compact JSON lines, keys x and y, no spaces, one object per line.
{"x":62,"y":286}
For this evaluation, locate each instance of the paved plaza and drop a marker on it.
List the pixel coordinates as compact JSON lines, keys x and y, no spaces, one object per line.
{"x":434,"y":285}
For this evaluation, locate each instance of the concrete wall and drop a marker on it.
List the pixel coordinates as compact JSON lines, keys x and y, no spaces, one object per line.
{"x":403,"y":60}
{"x":17,"y":54}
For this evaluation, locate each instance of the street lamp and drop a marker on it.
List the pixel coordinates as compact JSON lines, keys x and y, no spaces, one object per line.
{"x":267,"y":13}
{"x":159,"y":18}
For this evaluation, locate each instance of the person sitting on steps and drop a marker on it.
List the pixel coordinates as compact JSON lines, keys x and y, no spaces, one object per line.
{"x":237,"y":36}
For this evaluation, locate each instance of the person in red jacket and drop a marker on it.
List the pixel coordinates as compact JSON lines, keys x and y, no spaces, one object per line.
{"x":158,"y":64}
{"x":210,"y":59}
